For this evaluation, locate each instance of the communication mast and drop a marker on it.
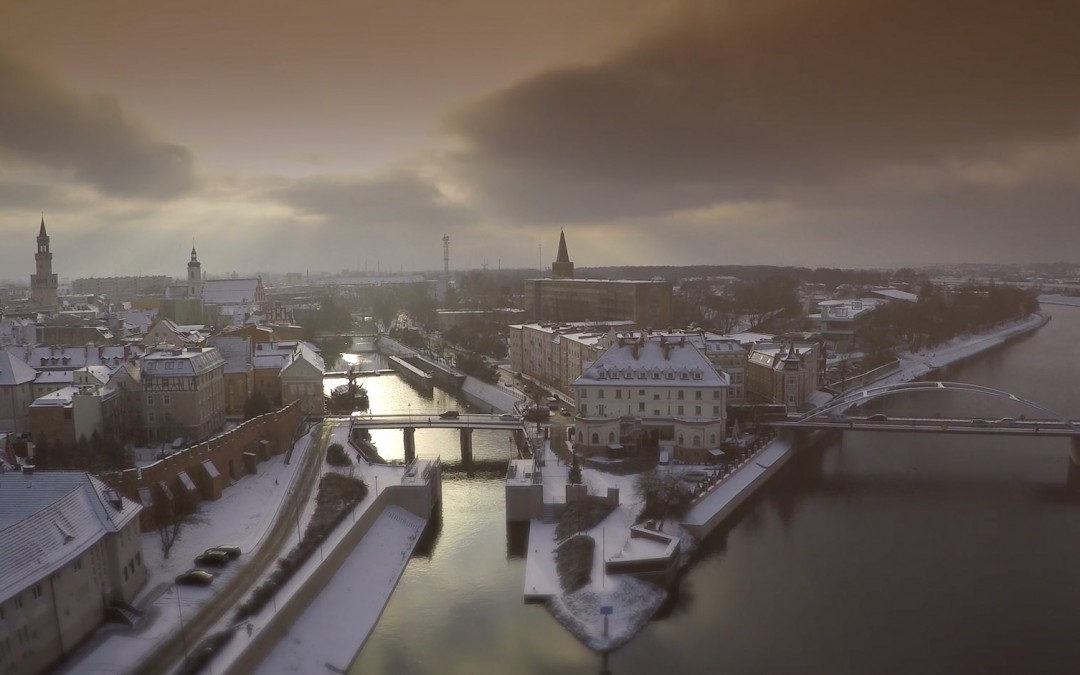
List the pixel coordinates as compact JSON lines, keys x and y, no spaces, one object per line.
{"x":446,"y":255}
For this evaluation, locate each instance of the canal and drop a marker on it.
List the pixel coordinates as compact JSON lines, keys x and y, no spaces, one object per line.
{"x":884,"y":553}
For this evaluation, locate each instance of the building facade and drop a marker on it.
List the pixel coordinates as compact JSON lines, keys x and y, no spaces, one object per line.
{"x":784,"y":373}
{"x":647,"y":390}
{"x":69,"y":546}
{"x":184,"y":393}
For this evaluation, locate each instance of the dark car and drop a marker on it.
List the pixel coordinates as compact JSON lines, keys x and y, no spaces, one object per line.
{"x":877,"y":418}
{"x":228,"y":549}
{"x":509,"y":418}
{"x":450,"y":415}
{"x":212,"y":558}
{"x":195,"y":577}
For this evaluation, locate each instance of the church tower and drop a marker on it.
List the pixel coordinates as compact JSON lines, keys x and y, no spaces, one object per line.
{"x":562,"y":268}
{"x":194,"y":275}
{"x":43,"y":283}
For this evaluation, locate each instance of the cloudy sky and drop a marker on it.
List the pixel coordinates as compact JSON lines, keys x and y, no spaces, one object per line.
{"x":354,"y":134}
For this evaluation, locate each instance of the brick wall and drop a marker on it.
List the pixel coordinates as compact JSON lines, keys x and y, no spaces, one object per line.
{"x":263,"y":437}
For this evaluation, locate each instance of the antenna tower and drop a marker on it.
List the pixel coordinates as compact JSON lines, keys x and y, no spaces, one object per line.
{"x":446,"y":255}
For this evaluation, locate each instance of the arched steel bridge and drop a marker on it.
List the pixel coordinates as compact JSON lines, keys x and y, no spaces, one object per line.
{"x":833,"y":415}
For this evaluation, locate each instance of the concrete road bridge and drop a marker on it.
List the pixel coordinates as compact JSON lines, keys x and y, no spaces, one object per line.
{"x":410,"y":422}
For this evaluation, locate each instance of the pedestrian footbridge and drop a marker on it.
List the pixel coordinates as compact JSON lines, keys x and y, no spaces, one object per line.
{"x":410,"y":422}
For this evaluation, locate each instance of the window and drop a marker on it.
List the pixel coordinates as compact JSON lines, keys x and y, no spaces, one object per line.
{"x":640,"y":392}
{"x":656,"y":397}
{"x":680,"y":410}
{"x":697,"y":441}
{"x":716,"y":395}
{"x":680,"y":439}
{"x":584,"y":409}
{"x":165,"y":399}
{"x":716,"y":410}
{"x":618,"y":393}
{"x":680,"y":395}
{"x":149,"y":399}
{"x":611,"y":437}
{"x":712,"y":439}
{"x":600,"y":394}
{"x":641,"y":406}
{"x":36,"y":591}
{"x":697,"y":411}
{"x":595,"y":438}
{"x":697,"y":395}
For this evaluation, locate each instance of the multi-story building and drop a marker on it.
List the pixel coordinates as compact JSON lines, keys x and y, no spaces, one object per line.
{"x":839,"y":321}
{"x":69,"y":546}
{"x":239,"y":374}
{"x":645,"y":390}
{"x":75,"y":412}
{"x":288,"y":371}
{"x":184,"y":392}
{"x":565,"y":299}
{"x":16,"y":392}
{"x":783,"y":373}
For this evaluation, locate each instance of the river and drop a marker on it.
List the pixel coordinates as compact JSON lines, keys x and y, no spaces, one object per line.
{"x":882,"y":553}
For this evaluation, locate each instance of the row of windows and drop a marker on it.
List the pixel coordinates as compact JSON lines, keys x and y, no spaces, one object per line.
{"x":601,"y":410}
{"x":642,"y":375}
{"x":680,"y":394}
{"x":695,"y":441}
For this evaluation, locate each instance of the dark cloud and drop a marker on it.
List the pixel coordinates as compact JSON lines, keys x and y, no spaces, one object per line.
{"x":394,"y":198}
{"x":747,"y":100}
{"x":87,"y":136}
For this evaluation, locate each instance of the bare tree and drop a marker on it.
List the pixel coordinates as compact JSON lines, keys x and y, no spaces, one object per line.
{"x":171,"y":513}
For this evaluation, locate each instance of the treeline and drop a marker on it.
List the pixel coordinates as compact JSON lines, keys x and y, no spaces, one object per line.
{"x":98,"y":453}
{"x":941,"y":315}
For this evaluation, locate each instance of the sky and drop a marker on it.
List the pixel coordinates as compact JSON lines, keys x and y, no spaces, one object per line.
{"x":321,"y":136}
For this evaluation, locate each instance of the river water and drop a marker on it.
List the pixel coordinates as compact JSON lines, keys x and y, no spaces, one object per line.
{"x":872,"y":553}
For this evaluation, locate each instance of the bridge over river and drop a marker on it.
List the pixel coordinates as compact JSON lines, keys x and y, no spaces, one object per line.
{"x":410,"y":422}
{"x":835,"y":415}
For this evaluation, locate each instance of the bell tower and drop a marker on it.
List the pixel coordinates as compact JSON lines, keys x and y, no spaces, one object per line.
{"x":43,"y":283}
{"x":194,"y":275}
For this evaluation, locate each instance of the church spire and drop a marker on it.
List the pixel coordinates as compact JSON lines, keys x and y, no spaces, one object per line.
{"x":41,"y":232}
{"x":562,"y":268}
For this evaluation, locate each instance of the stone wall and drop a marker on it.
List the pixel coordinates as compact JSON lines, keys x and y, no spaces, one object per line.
{"x":214,"y":464}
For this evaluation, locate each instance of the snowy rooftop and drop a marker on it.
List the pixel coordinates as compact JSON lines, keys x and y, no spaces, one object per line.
{"x":49,"y":518}
{"x":181,"y":362}
{"x":235,"y":350}
{"x":230,"y":291}
{"x":654,"y":358}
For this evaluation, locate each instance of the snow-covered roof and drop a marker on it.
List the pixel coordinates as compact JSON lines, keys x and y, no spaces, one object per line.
{"x":235,"y":350}
{"x":55,"y":377}
{"x":668,"y":360}
{"x":230,"y":291}
{"x":281,"y":354}
{"x":14,"y":371}
{"x":72,"y":358}
{"x":181,"y":362}
{"x":49,"y":518}
{"x":894,"y":294}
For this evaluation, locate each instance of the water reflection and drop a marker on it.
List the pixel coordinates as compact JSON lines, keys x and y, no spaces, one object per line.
{"x":869,"y":553}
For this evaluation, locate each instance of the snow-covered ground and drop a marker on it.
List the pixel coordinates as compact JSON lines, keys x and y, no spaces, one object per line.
{"x":241,"y":518}
{"x":326,"y":635}
{"x":916,"y":364}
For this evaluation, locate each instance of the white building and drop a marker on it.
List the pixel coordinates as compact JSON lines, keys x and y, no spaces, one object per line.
{"x":69,"y":546}
{"x":648,"y":389}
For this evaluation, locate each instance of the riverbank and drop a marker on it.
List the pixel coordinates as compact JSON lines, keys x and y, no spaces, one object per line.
{"x":634,"y":604}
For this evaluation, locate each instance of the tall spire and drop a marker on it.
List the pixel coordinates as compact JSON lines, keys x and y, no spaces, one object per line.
{"x":563,"y":256}
{"x":41,"y":232}
{"x":562,"y":268}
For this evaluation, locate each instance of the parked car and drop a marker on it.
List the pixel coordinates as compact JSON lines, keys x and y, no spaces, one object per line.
{"x":228,"y":549}
{"x":980,"y":423}
{"x":213,"y":558}
{"x":1007,"y":421}
{"x":195,"y":577}
{"x":878,"y":417}
{"x":509,"y":418}
{"x":450,"y":415}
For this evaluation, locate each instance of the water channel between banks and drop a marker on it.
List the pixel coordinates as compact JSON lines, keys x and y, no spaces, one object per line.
{"x":871,"y":553}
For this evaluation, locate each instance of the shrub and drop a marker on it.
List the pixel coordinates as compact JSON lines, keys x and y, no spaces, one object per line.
{"x":574,"y":560}
{"x":336,"y":455}
{"x":582,"y":516}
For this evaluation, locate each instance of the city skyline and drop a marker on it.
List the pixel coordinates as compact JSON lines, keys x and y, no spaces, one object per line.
{"x":289,"y":138}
